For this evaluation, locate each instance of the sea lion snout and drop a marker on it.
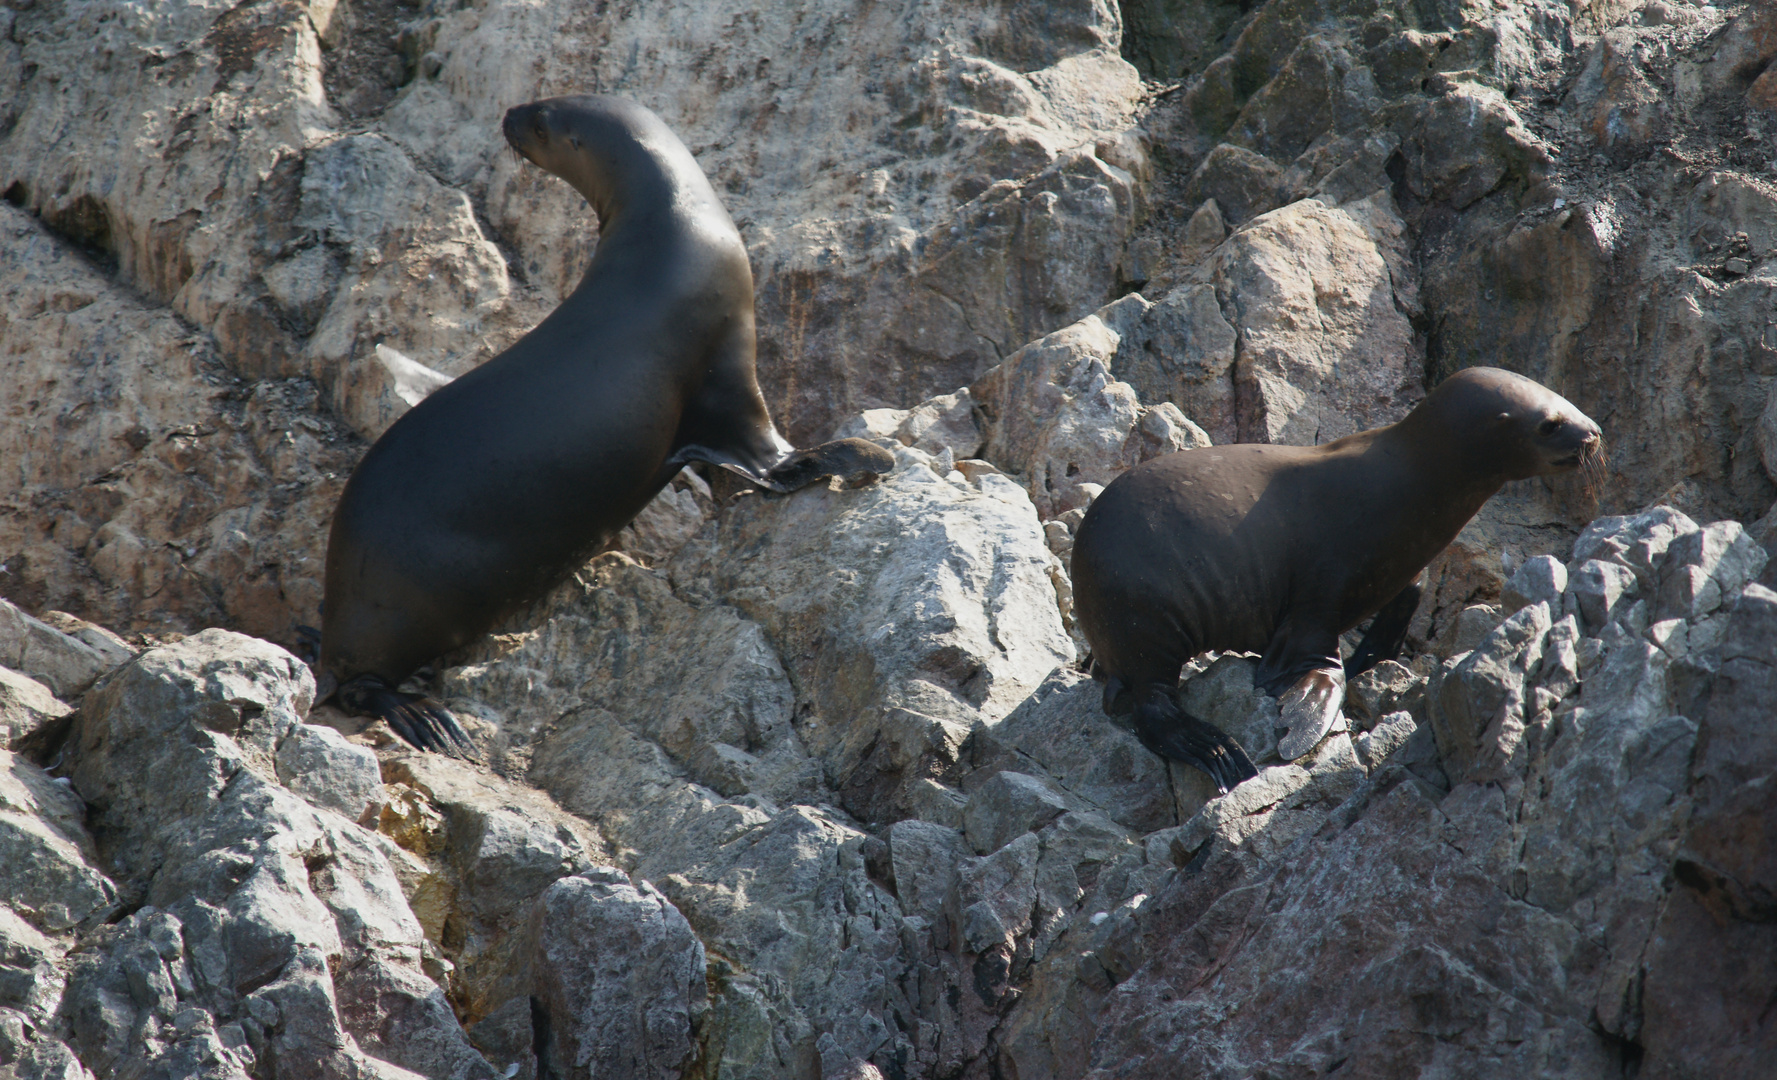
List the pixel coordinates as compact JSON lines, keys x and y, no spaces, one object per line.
{"x":1567,"y":438}
{"x":526,"y":128}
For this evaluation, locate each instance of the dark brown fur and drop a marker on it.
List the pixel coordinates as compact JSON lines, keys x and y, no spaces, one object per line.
{"x":1280,"y":549}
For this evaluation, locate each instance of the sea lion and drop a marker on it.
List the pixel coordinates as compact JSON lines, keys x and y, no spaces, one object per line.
{"x":487,"y":492}
{"x":1280,"y":549}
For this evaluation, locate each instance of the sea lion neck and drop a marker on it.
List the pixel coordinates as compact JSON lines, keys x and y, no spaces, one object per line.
{"x":1456,"y":441}
{"x":1444,"y":476}
{"x":637,"y":182}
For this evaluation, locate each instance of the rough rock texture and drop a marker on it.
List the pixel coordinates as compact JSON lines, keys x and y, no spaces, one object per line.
{"x":937,"y":185}
{"x":1525,"y":899}
{"x":271,"y":935}
{"x":147,"y":486}
{"x":1580,"y":193}
{"x":627,"y":1006}
{"x":812,"y":786}
{"x":1540,"y":841}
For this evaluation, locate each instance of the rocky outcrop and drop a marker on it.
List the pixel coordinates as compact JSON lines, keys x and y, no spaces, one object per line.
{"x":1573,"y":773}
{"x":1537,"y":835}
{"x":924,"y":191}
{"x":812,"y":785}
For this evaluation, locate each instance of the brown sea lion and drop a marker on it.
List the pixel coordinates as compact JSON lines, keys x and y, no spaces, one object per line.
{"x":1280,"y":549}
{"x":491,"y":489}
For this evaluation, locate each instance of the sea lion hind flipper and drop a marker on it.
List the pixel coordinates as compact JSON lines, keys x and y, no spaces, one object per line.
{"x":1173,"y":733}
{"x":418,"y":720}
{"x":857,"y":462}
{"x":1387,"y":632}
{"x":1307,"y":711}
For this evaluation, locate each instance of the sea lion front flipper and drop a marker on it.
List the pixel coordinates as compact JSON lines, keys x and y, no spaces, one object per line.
{"x":1301,"y":668}
{"x":1307,"y":710}
{"x":1173,"y":733}
{"x":1387,"y":632}
{"x":418,"y":720}
{"x":857,"y":462}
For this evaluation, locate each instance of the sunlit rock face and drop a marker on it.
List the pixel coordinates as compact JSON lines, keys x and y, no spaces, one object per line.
{"x":817,"y":785}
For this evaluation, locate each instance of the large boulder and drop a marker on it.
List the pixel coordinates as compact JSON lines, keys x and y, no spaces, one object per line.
{"x":268,"y":934}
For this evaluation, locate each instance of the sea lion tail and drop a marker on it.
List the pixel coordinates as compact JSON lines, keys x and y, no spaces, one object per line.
{"x":1173,"y":733}
{"x":419,"y":720}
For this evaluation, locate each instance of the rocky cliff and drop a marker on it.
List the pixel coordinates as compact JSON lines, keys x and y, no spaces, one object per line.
{"x":811,"y":786}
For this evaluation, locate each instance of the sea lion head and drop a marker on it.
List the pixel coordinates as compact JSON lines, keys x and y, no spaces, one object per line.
{"x":612,"y":150}
{"x":1515,"y":426}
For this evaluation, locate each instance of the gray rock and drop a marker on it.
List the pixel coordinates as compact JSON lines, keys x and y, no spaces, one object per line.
{"x":1224,"y":695}
{"x":1062,"y":732}
{"x":1180,"y":349}
{"x":1384,"y":689}
{"x":1059,"y":418}
{"x":1542,"y":579}
{"x":1087,"y":860}
{"x":1207,"y":226}
{"x":62,"y":662}
{"x":26,"y":706}
{"x":993,"y":902}
{"x":1560,"y":670}
{"x":176,"y":754}
{"x":1482,"y":705}
{"x":1706,"y":569}
{"x":928,"y":800}
{"x":333,"y":774}
{"x":1637,"y":541}
{"x":925,"y":859}
{"x":1600,"y":591}
{"x":906,"y":612}
{"x":669,"y":520}
{"x":31,"y":978}
{"x":1007,"y":805}
{"x":114,"y":648}
{"x":1470,"y":627}
{"x":629,"y":1006}
{"x":1709,"y":947}
{"x":30,"y":1052}
{"x":49,"y":872}
{"x":492,"y":848}
{"x":1242,"y":182}
{"x":1599,"y":789}
{"x":1390,"y":734}
{"x":945,"y":422}
{"x":1467,"y":143}
{"x":1326,"y":348}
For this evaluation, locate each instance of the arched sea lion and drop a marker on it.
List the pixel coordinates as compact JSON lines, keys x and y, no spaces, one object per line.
{"x":487,"y":492}
{"x":1280,"y":549}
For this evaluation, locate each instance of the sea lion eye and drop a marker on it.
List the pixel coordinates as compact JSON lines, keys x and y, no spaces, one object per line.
{"x":1549,"y":427}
